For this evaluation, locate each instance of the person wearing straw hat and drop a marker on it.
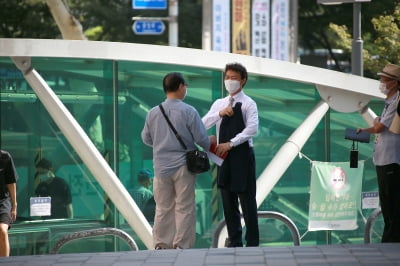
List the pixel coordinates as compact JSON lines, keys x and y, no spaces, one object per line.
{"x":386,"y":155}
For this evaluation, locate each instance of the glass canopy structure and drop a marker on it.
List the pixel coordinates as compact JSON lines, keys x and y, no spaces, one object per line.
{"x":82,"y":104}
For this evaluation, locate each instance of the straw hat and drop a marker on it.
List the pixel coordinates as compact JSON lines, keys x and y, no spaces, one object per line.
{"x":391,"y":71}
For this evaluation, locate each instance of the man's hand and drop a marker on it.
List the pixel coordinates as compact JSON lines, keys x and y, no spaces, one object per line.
{"x":14,"y":213}
{"x":223,"y":148}
{"x":226,"y":111}
{"x":213,"y":139}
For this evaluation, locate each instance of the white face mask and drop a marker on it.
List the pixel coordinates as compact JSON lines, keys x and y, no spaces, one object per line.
{"x":185,"y":88}
{"x":232,"y":86}
{"x":383,"y":88}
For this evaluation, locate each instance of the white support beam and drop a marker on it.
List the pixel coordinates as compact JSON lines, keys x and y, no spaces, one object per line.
{"x":368,"y":115}
{"x":288,"y":152}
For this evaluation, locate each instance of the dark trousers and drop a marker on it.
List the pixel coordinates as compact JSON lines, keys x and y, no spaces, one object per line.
{"x":389,"y":197}
{"x":230,"y":201}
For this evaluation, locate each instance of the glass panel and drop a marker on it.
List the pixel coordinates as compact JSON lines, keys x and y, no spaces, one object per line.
{"x":29,"y":133}
{"x":110,"y":101}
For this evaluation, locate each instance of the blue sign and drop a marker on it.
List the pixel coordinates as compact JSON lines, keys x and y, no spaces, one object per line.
{"x":148,"y":27}
{"x":149,"y":4}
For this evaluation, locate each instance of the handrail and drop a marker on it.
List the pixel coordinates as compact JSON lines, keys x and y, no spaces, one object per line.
{"x":263,"y":214}
{"x":95,"y":232}
{"x":370,"y":223}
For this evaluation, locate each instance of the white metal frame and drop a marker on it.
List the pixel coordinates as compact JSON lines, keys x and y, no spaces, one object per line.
{"x":339,"y":91}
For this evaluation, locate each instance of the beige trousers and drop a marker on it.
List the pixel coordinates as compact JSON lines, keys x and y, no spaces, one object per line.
{"x":175,"y":218}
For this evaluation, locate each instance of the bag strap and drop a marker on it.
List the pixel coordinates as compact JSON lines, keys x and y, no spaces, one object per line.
{"x":172,"y":127}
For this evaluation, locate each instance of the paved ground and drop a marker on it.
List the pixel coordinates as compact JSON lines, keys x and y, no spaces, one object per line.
{"x":343,"y":255}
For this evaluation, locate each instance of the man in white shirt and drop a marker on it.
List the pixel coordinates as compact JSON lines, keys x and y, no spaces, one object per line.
{"x":236,"y":120}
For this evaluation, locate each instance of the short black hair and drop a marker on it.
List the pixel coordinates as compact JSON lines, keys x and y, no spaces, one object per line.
{"x":172,"y":81}
{"x":237,"y":68}
{"x":44,"y":163}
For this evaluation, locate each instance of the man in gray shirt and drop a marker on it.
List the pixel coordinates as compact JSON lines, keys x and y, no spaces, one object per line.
{"x":173,"y":184}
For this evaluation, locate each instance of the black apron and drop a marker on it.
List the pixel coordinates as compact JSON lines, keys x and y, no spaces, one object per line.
{"x":234,"y":171}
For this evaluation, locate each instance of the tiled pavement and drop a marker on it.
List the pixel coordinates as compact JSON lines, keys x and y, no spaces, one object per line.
{"x":340,"y":255}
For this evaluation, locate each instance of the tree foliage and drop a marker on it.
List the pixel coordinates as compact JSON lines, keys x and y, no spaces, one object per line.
{"x":385,"y":48}
{"x":27,"y":19}
{"x":381,"y":45}
{"x":330,"y":27}
{"x":102,"y":20}
{"x":105,"y":20}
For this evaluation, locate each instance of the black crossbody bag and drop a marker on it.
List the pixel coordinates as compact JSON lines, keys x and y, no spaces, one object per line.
{"x":196,"y":160}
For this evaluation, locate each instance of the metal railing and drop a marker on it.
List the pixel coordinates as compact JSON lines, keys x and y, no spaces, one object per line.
{"x":263,"y":214}
{"x":92,"y":233}
{"x":369,"y":224}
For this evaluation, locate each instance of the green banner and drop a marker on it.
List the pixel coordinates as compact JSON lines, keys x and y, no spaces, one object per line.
{"x":335,"y":197}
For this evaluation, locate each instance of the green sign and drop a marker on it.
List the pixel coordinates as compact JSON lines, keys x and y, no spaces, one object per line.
{"x":335,"y":197}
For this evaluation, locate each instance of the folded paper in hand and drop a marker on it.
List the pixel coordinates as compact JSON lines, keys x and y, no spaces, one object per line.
{"x":218,"y":160}
{"x":352,"y":134}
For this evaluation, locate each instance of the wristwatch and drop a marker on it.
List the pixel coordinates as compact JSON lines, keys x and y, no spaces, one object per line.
{"x":231,"y":144}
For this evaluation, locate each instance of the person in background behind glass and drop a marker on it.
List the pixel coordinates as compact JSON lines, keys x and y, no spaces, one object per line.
{"x":141,"y":193}
{"x":8,"y":200}
{"x":56,"y":188}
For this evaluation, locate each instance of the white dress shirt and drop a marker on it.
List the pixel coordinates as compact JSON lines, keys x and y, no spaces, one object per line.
{"x":250,"y":117}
